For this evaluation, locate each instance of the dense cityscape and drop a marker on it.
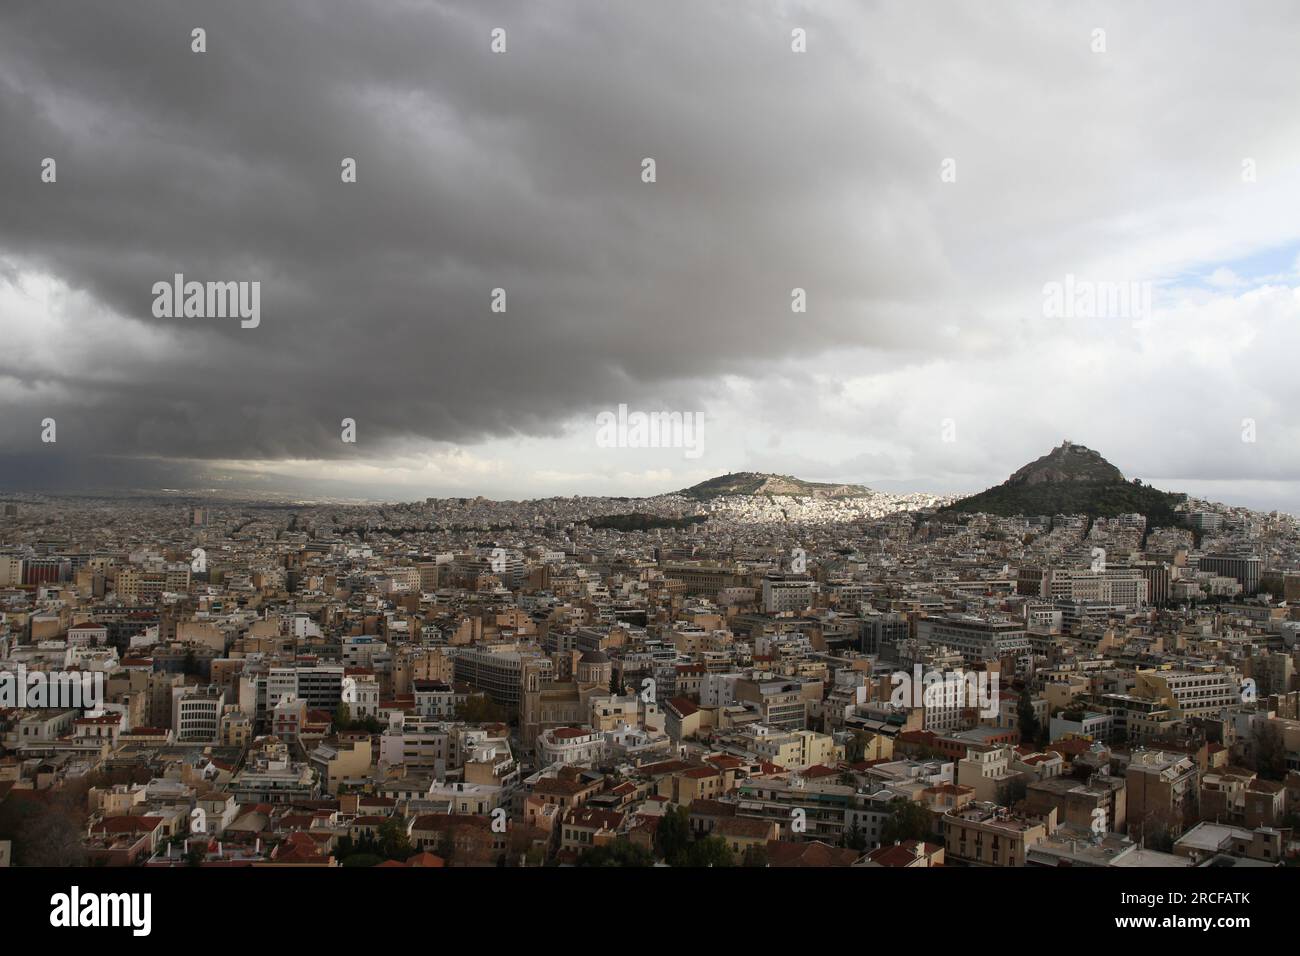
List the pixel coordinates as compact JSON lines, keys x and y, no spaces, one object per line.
{"x":749,"y":445}
{"x":827,"y":678}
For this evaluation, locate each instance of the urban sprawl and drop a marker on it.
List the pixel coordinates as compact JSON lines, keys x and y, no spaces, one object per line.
{"x":745,"y":680}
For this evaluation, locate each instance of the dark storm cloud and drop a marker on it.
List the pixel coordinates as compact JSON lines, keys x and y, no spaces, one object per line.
{"x":475,"y":170}
{"x":522,"y":171}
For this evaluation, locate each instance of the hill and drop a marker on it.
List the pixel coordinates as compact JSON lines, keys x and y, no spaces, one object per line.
{"x":1067,"y":462}
{"x":757,"y":483}
{"x":1072,"y":479}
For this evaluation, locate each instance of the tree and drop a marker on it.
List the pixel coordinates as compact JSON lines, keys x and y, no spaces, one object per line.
{"x":1156,"y":830}
{"x":1012,"y":792}
{"x":481,"y":709}
{"x":755,"y":855}
{"x":1030,"y":729}
{"x":855,"y":839}
{"x":855,"y":749}
{"x":447,"y":847}
{"x":673,"y":836}
{"x":393,"y":843}
{"x":342,"y":716}
{"x":709,"y":851}
{"x":907,"y":820}
{"x":1270,"y":751}
{"x":46,"y":830}
{"x":616,"y":853}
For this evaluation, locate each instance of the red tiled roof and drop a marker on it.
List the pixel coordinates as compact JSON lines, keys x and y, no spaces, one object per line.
{"x":127,"y":825}
{"x":780,"y":853}
{"x":818,"y":771}
{"x":596,"y":818}
{"x":426,"y":859}
{"x":901,"y":854}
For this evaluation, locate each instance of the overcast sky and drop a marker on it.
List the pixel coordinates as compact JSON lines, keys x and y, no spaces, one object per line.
{"x":1172,"y":158}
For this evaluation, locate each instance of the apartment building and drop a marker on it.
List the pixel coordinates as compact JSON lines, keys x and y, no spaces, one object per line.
{"x":1081,"y":803}
{"x":1162,"y":790}
{"x":787,"y":594}
{"x":976,"y":639}
{"x":1118,"y":586}
{"x":1190,"y":693}
{"x":1245,"y":569}
{"x":780,"y":703}
{"x":985,"y":834}
{"x":498,"y":670}
{"x":196,"y":713}
{"x":988,"y":773}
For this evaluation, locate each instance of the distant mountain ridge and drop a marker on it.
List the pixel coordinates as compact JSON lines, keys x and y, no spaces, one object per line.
{"x":759,"y":483}
{"x":1072,"y":479}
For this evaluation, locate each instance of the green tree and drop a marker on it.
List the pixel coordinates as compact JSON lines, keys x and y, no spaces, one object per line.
{"x":1013,"y":792}
{"x":342,"y":716}
{"x":480,"y":709}
{"x":673,"y":836}
{"x":447,"y":847}
{"x":1030,"y":729}
{"x":709,"y":851}
{"x":393,"y":843}
{"x":907,"y":820}
{"x":616,"y":853}
{"x":1270,"y":752}
{"x":755,"y":855}
{"x":855,"y":839}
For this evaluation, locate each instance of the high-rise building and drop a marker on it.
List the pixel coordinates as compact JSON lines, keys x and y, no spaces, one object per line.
{"x":975,"y":638}
{"x":1245,"y":569}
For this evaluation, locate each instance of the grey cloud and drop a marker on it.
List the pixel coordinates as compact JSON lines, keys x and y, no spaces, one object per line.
{"x":475,"y":171}
{"x":522,"y":171}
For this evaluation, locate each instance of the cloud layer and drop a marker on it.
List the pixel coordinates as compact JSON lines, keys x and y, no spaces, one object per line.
{"x":521,"y":170}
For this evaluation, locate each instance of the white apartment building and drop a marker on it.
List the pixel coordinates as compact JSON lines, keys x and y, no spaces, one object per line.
{"x":196,"y":713}
{"x":975,"y":638}
{"x":1194,"y":693}
{"x":570,"y":745}
{"x":1120,"y":586}
{"x":418,"y":743}
{"x":787,"y":594}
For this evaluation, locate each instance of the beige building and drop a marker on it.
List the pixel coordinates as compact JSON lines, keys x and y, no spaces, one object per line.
{"x":1076,"y":802}
{"x":794,"y":750}
{"x":984,"y":834}
{"x":341,"y":759}
{"x":1189,"y":693}
{"x":1162,"y":790}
